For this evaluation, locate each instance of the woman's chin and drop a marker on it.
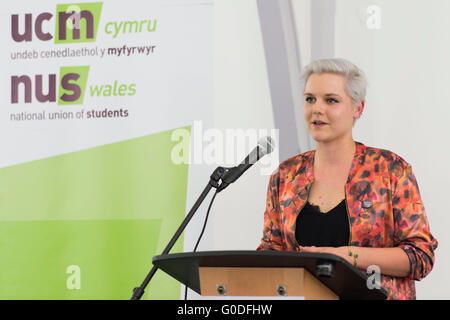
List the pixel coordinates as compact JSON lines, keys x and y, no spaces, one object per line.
{"x":318,"y":137}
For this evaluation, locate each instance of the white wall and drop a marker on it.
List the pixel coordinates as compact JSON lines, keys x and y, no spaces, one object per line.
{"x":407,"y":109}
{"x":241,"y":100}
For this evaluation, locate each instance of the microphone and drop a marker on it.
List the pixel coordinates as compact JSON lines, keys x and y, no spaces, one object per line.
{"x":227,"y":176}
{"x":265,"y":146}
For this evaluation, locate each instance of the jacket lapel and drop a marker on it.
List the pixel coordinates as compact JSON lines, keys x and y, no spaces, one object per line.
{"x":300,"y":180}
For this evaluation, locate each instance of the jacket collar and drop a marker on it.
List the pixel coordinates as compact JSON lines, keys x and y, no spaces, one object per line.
{"x":358,"y":159}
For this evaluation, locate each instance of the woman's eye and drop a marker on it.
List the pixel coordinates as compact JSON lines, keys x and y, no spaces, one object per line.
{"x":309,"y":99}
{"x":332,"y":100}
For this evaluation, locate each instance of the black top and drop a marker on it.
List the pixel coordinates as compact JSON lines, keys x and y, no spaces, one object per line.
{"x":331,"y":229}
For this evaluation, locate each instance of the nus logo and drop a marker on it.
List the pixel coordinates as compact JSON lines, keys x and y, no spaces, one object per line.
{"x":72,"y":83}
{"x":74,"y":23}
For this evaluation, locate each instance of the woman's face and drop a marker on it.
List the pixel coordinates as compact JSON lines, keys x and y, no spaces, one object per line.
{"x":327,"y":102}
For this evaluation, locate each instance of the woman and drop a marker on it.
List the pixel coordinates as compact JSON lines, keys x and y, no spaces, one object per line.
{"x":357,"y":202}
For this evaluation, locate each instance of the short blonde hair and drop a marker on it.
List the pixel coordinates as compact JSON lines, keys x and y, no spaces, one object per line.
{"x":356,"y":83}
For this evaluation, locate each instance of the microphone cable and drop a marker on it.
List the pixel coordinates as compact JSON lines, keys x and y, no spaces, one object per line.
{"x":201,"y":234}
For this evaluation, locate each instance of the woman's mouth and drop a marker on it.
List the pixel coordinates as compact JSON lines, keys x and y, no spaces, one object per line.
{"x":318,"y":124}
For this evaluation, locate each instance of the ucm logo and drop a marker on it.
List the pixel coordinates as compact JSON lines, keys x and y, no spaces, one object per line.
{"x":74,"y":23}
{"x":71,"y":89}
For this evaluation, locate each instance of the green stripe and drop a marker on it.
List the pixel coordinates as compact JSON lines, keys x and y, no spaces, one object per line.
{"x":107,"y":209}
{"x":112,"y":255}
{"x":129,"y":179}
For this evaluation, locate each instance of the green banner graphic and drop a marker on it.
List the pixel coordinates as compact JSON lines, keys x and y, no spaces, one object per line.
{"x":72,"y":84}
{"x":77,"y":22}
{"x":85,"y":225}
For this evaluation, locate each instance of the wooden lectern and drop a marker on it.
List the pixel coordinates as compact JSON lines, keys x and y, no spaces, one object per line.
{"x":262,"y":282}
{"x":268,"y":273}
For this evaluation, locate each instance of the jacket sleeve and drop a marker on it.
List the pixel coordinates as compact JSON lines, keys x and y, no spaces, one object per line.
{"x":272,"y":236}
{"x":412,"y":231}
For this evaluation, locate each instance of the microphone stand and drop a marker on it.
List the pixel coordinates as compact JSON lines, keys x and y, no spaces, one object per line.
{"x":213,"y":182}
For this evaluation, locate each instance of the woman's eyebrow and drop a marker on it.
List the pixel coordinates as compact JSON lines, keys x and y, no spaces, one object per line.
{"x":326,"y":94}
{"x":332,"y":94}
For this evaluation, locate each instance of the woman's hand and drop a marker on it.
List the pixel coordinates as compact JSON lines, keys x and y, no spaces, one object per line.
{"x":337,"y":251}
{"x":391,"y":261}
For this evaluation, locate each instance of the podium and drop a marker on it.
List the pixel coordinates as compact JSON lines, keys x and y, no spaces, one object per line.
{"x":314,"y":276}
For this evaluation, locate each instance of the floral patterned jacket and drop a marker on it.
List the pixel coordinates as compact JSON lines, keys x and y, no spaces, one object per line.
{"x":383,"y":205}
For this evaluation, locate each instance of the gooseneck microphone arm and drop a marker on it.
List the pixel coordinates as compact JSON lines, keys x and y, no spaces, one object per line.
{"x":265,"y":146}
{"x":226,"y":176}
{"x":213,"y":182}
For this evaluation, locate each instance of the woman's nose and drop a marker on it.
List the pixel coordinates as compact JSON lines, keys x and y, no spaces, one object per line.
{"x":317,"y":108}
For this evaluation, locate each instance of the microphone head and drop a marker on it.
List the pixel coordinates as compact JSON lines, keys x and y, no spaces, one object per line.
{"x":266,"y":144}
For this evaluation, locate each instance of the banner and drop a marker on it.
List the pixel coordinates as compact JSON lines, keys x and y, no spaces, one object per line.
{"x":91,"y":92}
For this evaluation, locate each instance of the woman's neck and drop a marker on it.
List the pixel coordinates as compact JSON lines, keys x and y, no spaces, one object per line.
{"x":334,"y":154}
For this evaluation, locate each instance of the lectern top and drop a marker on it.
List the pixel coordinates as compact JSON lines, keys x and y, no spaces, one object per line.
{"x":337,"y":274}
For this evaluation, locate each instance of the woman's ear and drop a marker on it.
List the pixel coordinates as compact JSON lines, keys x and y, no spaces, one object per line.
{"x":359,"y":109}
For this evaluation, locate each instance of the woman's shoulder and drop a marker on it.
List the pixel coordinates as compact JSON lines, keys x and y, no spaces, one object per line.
{"x":380,"y":158}
{"x":298,"y":159}
{"x":381,"y":154}
{"x":374,"y":153}
{"x":295,"y":166}
{"x":385,"y":160}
